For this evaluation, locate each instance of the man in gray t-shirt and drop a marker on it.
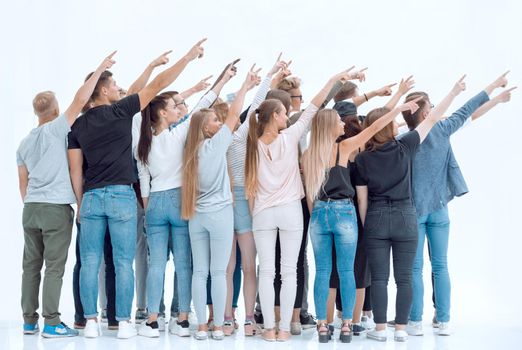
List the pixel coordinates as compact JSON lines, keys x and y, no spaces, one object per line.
{"x":45,"y":188}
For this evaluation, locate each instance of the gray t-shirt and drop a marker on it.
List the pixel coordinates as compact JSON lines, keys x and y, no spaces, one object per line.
{"x":44,"y":154}
{"x":214,"y":183}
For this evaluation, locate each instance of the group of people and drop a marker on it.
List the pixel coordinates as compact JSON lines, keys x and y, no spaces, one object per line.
{"x":219,"y":186}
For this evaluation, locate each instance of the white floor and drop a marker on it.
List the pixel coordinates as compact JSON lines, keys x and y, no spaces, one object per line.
{"x":465,"y":337}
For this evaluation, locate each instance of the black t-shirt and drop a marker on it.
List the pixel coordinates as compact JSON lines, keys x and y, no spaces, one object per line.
{"x":104,"y":134}
{"x":387,"y":170}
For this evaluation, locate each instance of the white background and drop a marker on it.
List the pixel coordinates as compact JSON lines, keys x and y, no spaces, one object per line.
{"x":53,"y":45}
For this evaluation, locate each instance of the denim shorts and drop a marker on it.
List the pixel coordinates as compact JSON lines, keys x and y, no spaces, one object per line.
{"x":242,"y":217}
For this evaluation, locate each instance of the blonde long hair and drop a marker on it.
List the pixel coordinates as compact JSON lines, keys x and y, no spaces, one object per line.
{"x":195,"y":138}
{"x":316,"y":159}
{"x":255,"y":131}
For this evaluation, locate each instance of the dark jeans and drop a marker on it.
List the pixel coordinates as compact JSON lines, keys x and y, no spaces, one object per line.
{"x":110,"y":280}
{"x":391,"y":225}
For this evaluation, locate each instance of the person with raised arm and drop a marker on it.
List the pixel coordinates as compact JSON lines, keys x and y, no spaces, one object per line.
{"x":45,"y":188}
{"x":102,"y":136}
{"x":388,"y":213}
{"x":436,"y":181}
{"x":326,"y":166}
{"x":242,"y":219}
{"x":274,"y":189}
{"x":206,"y":201}
{"x":160,"y":159}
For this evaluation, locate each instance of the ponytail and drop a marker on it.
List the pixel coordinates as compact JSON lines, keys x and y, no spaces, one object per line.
{"x":149,"y":118}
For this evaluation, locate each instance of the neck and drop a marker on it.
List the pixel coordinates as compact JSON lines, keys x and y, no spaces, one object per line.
{"x":162,"y":125}
{"x":42,"y":120}
{"x":271,"y":130}
{"x":102,"y":101}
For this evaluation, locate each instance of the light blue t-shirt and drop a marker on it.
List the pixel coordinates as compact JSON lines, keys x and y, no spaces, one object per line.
{"x":44,"y":154}
{"x":214,"y":182}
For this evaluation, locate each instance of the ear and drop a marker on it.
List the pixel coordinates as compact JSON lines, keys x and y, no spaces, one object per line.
{"x":104,"y":91}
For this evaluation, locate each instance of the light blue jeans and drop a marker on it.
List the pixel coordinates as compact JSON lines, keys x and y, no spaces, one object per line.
{"x":115,"y":206}
{"x":334,"y":221}
{"x":163,"y":222}
{"x":211,"y":237}
{"x":435,"y":227}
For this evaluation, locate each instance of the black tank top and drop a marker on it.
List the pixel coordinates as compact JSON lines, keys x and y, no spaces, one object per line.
{"x":338,"y":186}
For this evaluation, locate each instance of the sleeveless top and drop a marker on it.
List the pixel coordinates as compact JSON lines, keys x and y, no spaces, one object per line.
{"x":338,"y":185}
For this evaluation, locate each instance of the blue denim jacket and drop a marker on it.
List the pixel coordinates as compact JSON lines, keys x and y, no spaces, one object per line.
{"x":436,"y":174}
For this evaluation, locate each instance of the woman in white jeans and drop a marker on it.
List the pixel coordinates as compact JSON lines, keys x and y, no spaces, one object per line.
{"x":274,"y":189}
{"x":207,"y":204}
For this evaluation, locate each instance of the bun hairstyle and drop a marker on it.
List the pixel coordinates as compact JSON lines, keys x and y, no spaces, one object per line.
{"x":289,"y":83}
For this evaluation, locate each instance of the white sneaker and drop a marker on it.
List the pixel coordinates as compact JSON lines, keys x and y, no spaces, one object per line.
{"x":92,"y":329}
{"x":367,"y":322}
{"x":444,"y":328}
{"x":414,"y":328}
{"x":201,"y":335}
{"x":146,"y":330}
{"x":377,"y":335}
{"x":193,"y":320}
{"x":161,"y":324}
{"x":218,"y":335}
{"x":181,"y":329}
{"x":126,"y":329}
{"x":400,"y":336}
{"x":172,"y":323}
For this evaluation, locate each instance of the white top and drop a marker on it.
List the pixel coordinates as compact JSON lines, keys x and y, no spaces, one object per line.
{"x":237,"y":151}
{"x":279,"y":179}
{"x":165,"y":162}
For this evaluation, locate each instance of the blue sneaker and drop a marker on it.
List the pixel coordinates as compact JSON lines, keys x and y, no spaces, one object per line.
{"x":31,"y":328}
{"x":59,"y":331}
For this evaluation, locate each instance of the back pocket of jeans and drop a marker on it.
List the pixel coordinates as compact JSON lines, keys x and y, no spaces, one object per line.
{"x":372,"y":222}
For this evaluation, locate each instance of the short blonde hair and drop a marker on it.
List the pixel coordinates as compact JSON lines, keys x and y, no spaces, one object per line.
{"x":44,"y":103}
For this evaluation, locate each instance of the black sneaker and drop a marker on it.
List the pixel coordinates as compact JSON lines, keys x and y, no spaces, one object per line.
{"x":357,"y":329}
{"x":258,"y":317}
{"x":307,"y":321}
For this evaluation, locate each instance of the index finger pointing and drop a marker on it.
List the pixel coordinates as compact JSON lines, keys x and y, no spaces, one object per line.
{"x":166,"y":53}
{"x":362,"y":70}
{"x":112,"y":54}
{"x":391,"y":85}
{"x":461,"y":79}
{"x":511,"y":89}
{"x":279,"y":57}
{"x":506,"y":73}
{"x":207,"y":78}
{"x":201,"y":41}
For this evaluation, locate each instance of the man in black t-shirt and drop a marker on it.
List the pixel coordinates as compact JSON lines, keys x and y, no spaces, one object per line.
{"x":102,"y":139}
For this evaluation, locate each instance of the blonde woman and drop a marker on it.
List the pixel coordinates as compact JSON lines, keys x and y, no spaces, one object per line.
{"x":207,"y":204}
{"x":274,"y":189}
{"x":326,"y":166}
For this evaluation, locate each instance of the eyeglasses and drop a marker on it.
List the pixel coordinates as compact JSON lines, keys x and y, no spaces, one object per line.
{"x":300,"y":97}
{"x":432,"y":105}
{"x":181,"y":103}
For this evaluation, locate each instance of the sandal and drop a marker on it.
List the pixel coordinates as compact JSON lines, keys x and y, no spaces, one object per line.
{"x":346,"y":333}
{"x":269,"y":334}
{"x":323,"y":333}
{"x":250,"y":328}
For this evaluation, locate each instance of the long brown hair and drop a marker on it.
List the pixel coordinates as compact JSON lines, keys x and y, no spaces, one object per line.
{"x":195,"y":137}
{"x":316,"y":159}
{"x":384,"y":135}
{"x":256,"y":128}
{"x":149,"y":118}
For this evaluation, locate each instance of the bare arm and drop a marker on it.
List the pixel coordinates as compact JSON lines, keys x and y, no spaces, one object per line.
{"x":503,"y":97}
{"x":75,"y":157}
{"x":145,"y":76}
{"x":168,"y":76}
{"x":404,"y":87}
{"x":23,"y":180}
{"x":84,"y":93}
{"x":236,"y":106}
{"x":362,"y":201}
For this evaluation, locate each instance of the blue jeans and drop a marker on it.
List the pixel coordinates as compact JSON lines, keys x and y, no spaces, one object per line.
{"x":163,"y":222}
{"x":113,"y":206}
{"x":211,"y":237}
{"x":334,"y":221}
{"x":434,"y":226}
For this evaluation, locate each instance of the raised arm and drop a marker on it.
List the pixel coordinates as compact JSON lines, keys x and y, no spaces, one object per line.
{"x":75,"y":157}
{"x":168,"y":76}
{"x":145,"y":76}
{"x":353,"y":143}
{"x":200,"y":86}
{"x":404,"y":87}
{"x":436,"y":113}
{"x":84,"y":93}
{"x":386,"y":90}
{"x":236,"y":106}
{"x":503,"y":97}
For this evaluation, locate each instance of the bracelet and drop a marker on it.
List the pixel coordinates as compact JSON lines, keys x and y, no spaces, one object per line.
{"x":366,"y":97}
